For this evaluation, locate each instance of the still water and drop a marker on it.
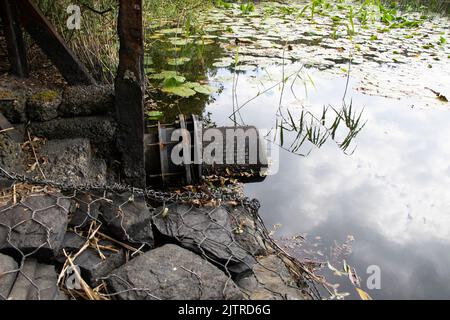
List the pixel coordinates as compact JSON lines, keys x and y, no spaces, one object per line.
{"x":384,"y":200}
{"x":391,"y":194}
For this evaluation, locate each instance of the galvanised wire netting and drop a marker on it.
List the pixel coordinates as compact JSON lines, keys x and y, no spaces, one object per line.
{"x":219,"y":225}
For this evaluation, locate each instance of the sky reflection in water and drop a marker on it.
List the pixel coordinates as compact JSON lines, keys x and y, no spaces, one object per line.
{"x":391,"y":194}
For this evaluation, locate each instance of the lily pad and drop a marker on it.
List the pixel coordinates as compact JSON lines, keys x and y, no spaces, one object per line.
{"x":180,"y":42}
{"x":154,"y":115}
{"x":205,"y":89}
{"x":178,"y":61}
{"x":171,"y":31}
{"x":223,"y":63}
{"x":181,"y":91}
{"x":167,"y":75}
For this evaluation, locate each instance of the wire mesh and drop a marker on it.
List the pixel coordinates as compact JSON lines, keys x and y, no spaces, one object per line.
{"x":218,"y":224}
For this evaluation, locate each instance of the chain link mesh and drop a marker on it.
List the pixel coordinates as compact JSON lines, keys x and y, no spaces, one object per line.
{"x":193,"y":220}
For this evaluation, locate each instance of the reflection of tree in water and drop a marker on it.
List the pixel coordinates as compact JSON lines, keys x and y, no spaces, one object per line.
{"x":198,"y":69}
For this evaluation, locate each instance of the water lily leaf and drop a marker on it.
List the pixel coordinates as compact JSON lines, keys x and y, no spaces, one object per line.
{"x":178,"y":61}
{"x":181,"y":91}
{"x":204,"y":89}
{"x":167,"y":75}
{"x":173,"y":81}
{"x":192,"y":84}
{"x":180,"y":42}
{"x":223,"y":63}
{"x":154,"y":115}
{"x":206,"y":42}
{"x":171,"y":30}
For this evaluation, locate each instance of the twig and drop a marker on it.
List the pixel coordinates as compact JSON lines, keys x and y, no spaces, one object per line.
{"x":126,"y":246}
{"x":35,"y":156}
{"x":88,"y":290}
{"x":6,"y":130}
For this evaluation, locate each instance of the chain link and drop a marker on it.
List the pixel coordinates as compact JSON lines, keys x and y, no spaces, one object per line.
{"x":151,"y":194}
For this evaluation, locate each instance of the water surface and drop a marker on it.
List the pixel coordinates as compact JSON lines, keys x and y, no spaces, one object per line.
{"x":382,"y":201}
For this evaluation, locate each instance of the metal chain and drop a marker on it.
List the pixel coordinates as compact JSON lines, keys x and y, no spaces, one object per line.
{"x":156,"y":195}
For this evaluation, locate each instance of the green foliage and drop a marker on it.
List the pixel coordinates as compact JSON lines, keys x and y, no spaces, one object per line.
{"x":222,"y":4}
{"x":172,"y":82}
{"x":247,"y":8}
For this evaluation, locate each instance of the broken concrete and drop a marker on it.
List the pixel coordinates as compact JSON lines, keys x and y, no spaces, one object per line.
{"x":171,"y":273}
{"x":206,"y":231}
{"x":36,"y":225}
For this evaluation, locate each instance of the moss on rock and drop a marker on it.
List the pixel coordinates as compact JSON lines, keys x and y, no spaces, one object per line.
{"x":44,"y":96}
{"x":6,"y":94}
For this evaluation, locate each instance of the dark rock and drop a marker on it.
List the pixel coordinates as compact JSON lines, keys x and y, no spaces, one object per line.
{"x":100,"y":129}
{"x":248,"y":231}
{"x":13,"y":105}
{"x":71,"y":161}
{"x":206,"y":231}
{"x":92,"y":266}
{"x":11,"y":155}
{"x":72,"y":243}
{"x":87,"y":100}
{"x":43,"y":105}
{"x":271,"y":280}
{"x":36,"y":225}
{"x":84,"y":209}
{"x":36,"y":282}
{"x":171,"y":273}
{"x":8,"y":273}
{"x":129,"y":218}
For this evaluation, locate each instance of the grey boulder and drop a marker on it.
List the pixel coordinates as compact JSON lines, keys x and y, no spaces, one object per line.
{"x":8,"y":273}
{"x":93,"y":267}
{"x":271,"y":280}
{"x":43,"y":105}
{"x":206,"y":231}
{"x":87,"y":100}
{"x":35,"y":225}
{"x":36,"y":281}
{"x":128,"y":217}
{"x":72,"y":161}
{"x":171,"y":273}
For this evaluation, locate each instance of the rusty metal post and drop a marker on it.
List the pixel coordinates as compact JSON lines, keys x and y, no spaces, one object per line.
{"x":129,"y":91}
{"x":17,"y":54}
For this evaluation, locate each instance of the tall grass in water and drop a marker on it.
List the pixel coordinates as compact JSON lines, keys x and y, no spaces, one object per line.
{"x":96,"y":43}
